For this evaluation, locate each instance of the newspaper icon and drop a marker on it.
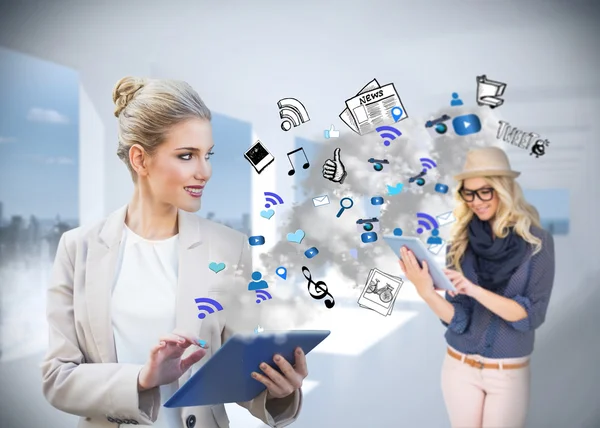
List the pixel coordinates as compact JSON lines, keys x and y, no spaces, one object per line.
{"x":372,"y":107}
{"x":488,"y":92}
{"x":380,"y":292}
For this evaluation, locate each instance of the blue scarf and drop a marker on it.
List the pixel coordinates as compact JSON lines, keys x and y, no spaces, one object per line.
{"x":496,"y":260}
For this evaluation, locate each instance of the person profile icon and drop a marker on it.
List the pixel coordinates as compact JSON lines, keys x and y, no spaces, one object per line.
{"x":257,"y":283}
{"x":455,"y":100}
{"x":434,"y":239}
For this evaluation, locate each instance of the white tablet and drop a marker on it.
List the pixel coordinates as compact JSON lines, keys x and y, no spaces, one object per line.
{"x":440,"y":280}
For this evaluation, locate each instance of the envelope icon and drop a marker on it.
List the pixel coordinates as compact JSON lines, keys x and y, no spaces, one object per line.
{"x":320,"y":200}
{"x":436,"y":248}
{"x":446,"y":218}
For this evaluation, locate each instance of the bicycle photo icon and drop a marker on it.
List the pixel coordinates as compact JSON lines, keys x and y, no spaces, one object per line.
{"x":380,"y":292}
{"x":386,"y":294}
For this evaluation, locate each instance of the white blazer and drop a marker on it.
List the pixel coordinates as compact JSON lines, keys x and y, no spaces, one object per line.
{"x":80,"y":371}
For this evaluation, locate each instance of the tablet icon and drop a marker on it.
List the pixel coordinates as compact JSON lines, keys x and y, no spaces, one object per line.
{"x":208,"y":308}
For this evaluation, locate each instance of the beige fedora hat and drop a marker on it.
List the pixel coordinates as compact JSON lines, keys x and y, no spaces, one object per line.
{"x":486,"y":161}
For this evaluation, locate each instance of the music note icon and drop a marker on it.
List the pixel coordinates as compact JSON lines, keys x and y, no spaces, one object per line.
{"x":305,"y":166}
{"x":319,"y":289}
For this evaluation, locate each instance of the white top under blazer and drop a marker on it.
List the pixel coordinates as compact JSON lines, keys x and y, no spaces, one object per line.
{"x":143,"y":305}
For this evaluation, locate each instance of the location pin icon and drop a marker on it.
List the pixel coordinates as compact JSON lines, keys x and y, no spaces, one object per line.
{"x":396,"y":113}
{"x":282,"y":272}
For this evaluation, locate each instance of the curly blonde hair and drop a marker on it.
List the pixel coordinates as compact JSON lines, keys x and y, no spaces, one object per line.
{"x":513,"y":211}
{"x":148,"y":108}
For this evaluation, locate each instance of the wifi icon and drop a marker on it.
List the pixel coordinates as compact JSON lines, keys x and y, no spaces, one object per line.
{"x":208,"y":308}
{"x":427,"y":163}
{"x":427,"y":221}
{"x":262,"y":295}
{"x":292,"y":112}
{"x":388,"y":136}
{"x":271,"y":201}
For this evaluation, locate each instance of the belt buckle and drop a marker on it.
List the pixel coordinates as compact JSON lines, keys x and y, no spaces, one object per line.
{"x":477,"y":364}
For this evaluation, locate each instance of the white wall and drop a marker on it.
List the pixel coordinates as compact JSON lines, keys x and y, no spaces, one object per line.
{"x":91,"y":158}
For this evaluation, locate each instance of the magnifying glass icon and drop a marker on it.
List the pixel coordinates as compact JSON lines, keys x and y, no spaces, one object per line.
{"x":345,"y":203}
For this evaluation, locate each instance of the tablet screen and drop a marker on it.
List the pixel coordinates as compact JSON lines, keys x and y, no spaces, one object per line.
{"x":421,"y":253}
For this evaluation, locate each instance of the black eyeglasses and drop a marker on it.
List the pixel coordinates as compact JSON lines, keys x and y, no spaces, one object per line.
{"x":485,"y":194}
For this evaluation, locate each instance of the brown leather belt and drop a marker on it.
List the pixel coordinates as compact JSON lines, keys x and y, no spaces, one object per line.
{"x":481,"y":365}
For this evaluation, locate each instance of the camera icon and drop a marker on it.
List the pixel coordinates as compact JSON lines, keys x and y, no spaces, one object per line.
{"x":369,"y":228}
{"x":378,"y":163}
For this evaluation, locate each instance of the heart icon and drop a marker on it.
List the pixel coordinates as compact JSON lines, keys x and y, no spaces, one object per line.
{"x":296,"y":237}
{"x":216,"y":267}
{"x":267,"y":214}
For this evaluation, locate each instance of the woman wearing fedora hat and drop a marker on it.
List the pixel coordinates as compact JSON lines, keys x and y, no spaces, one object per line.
{"x":503,"y":269}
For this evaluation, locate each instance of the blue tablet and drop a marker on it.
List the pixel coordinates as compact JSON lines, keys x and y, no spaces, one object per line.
{"x":440,"y":280}
{"x":226,"y":376}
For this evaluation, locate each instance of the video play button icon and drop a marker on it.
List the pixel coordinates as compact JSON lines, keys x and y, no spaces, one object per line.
{"x":466,"y":125}
{"x":256,"y":240}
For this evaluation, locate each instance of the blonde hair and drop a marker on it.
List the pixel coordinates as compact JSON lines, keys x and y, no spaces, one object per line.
{"x":147,"y":109}
{"x":513,"y":211}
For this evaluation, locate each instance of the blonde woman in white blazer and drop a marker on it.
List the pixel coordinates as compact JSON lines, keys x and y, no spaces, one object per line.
{"x":125,"y":330}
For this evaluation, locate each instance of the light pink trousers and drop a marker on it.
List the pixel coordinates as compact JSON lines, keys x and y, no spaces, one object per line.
{"x":485,"y":398}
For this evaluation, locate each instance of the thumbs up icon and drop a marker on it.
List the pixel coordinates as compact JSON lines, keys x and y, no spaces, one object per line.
{"x":333,"y":169}
{"x":331,"y":132}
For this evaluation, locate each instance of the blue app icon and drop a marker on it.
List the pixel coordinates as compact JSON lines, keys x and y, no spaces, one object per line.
{"x":256,"y":240}
{"x":466,"y":125}
{"x":376,"y":200}
{"x":368,"y":237}
{"x":441,"y":188}
{"x":311,"y":252}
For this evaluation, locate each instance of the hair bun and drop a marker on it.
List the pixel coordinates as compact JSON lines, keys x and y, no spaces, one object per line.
{"x":125,"y":90}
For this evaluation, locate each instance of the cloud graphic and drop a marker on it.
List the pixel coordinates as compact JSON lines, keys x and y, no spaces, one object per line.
{"x":46,"y":116}
{"x":335,"y":237}
{"x":7,"y":140}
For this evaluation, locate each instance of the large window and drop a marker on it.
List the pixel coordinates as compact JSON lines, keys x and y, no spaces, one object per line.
{"x":227,"y":195}
{"x":39,"y":189}
{"x":553,"y":206}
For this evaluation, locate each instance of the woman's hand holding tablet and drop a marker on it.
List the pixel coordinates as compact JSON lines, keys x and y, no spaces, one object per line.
{"x":419,"y":265}
{"x":290,"y":379}
{"x":416,"y":274}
